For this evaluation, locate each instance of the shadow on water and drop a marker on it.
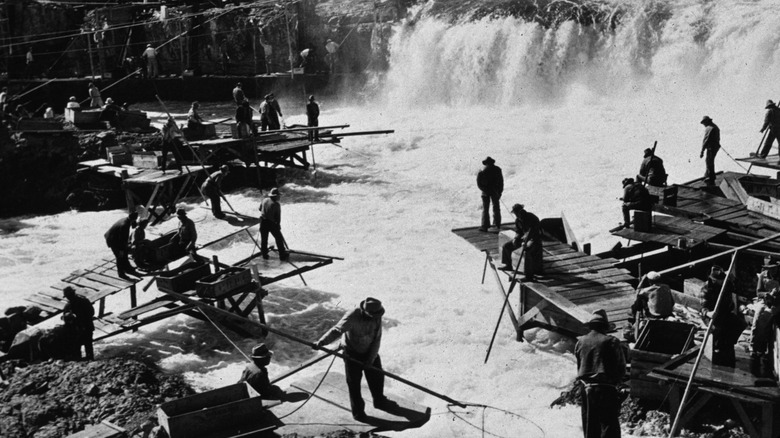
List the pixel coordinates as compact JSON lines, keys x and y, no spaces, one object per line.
{"x":11,"y":226}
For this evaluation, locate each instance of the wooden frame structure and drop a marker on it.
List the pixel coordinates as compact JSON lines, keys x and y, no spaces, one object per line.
{"x":159,"y":191}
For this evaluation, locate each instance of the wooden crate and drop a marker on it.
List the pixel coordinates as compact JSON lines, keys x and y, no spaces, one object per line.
{"x":182,"y":279}
{"x":118,"y":156}
{"x":223,"y":282}
{"x":657,"y":343}
{"x":147,"y":160}
{"x":643,"y":221}
{"x":234,"y":410}
{"x":663,"y":195}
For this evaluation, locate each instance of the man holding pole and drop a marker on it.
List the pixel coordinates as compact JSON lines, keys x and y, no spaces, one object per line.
{"x":212,"y":188}
{"x":652,"y":170}
{"x":362,"y":330}
{"x":710,"y":144}
{"x":725,"y":327}
{"x":601,"y":365}
{"x":527,"y":227}
{"x":772,"y":124}
{"x":271,"y":222}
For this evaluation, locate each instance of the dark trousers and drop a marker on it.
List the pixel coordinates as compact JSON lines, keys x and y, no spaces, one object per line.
{"x":722,"y":347}
{"x":601,"y":412}
{"x":314,"y":134}
{"x":174,"y":147}
{"x":122,"y":263}
{"x":771,"y":136}
{"x":375,"y":380}
{"x":215,"y":200}
{"x":486,"y":200}
{"x":86,"y":341}
{"x":626,"y":216}
{"x":270,"y":227}
{"x":709,"y":159}
{"x":509,"y":248}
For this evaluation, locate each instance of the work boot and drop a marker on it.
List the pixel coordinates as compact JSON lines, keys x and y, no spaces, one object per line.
{"x":483,"y":229}
{"x":360,"y":416}
{"x":506,"y":268}
{"x":265,"y":257}
{"x":385,"y":404}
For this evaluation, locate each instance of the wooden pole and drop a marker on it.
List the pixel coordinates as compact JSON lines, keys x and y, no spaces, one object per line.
{"x":506,"y":301}
{"x":301,"y":367}
{"x":294,"y":338}
{"x":89,"y":51}
{"x":289,"y":43}
{"x":676,"y":424}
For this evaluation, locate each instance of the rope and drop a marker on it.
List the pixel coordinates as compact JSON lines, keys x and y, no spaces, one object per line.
{"x":732,"y":159}
{"x":225,"y":335}
{"x":485,"y":408}
{"x":311,"y":393}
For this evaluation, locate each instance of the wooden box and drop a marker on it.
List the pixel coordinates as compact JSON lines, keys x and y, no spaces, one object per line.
{"x":234,"y":410}
{"x":118,"y":156}
{"x":658,"y":342}
{"x":760,"y":186}
{"x":223,"y":282}
{"x":147,"y":160}
{"x":183,"y":278}
{"x":643,"y":221}
{"x":663,"y":195}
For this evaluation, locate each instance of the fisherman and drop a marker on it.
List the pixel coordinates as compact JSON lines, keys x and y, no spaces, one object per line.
{"x":762,"y":334}
{"x":3,"y":99}
{"x":212,"y":188}
{"x":490,"y":180}
{"x":711,"y":144}
{"x":29,"y":61}
{"x":772,"y":123}
{"x":151,"y":61}
{"x":313,"y":118}
{"x":601,"y":366}
{"x":187,"y":235}
{"x":256,"y":374}
{"x":725,"y":327}
{"x":172,"y":140}
{"x":332,"y":48}
{"x":49,"y":113}
{"x":116,"y":239}
{"x":528,"y":234}
{"x":139,"y":245}
{"x":73,"y":103}
{"x":635,"y":197}
{"x":271,"y":222}
{"x":94,"y":94}
{"x":362,"y":330}
{"x":244,"y":123}
{"x":83,"y":310}
{"x":111,"y":112}
{"x":270,"y":112}
{"x":652,"y":170}
{"x":238,"y":94}
{"x":768,"y":278}
{"x":655,"y":301}
{"x":194,"y":121}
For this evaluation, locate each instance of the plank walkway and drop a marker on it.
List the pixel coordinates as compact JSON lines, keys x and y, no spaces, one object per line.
{"x":573,"y":285}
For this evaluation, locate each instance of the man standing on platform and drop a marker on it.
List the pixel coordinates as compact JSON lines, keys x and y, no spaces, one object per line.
{"x":171,"y":141}
{"x":772,"y":123}
{"x":151,"y":61}
{"x":94,"y":94}
{"x":490,"y":180}
{"x":271,"y":222}
{"x":528,"y":234}
{"x":711,"y":144}
{"x":362,"y":330}
{"x":238,"y":94}
{"x":83,"y":310}
{"x":244,"y":123}
{"x":270,"y":112}
{"x":313,"y":118}
{"x":117,"y":239}
{"x":212,"y":188}
{"x":601,"y":365}
{"x":725,"y":324}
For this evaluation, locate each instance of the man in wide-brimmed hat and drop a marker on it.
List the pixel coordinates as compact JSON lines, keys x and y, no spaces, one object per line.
{"x":768,"y":277}
{"x":117,"y":239}
{"x":652,"y":170}
{"x":772,"y":123}
{"x":635,"y":197}
{"x":362,"y":330}
{"x":601,"y":365}
{"x":726,"y":326}
{"x":490,"y":181}
{"x":256,"y":373}
{"x":271,"y":222}
{"x":212,"y":188}
{"x":710,"y":144}
{"x":187,"y":235}
{"x":528,"y":234}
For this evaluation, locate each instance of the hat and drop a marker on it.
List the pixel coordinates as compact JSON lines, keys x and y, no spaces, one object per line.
{"x":311,"y":97}
{"x":648,"y":152}
{"x":238,"y":84}
{"x":769,"y":262}
{"x":769,"y":104}
{"x":599,"y":317}
{"x":109,"y":100}
{"x":372,"y":306}
{"x":627,"y":181}
{"x":72,"y":98}
{"x":705,"y":119}
{"x":148,"y":45}
{"x":488,"y":160}
{"x":267,"y":96}
{"x":68,"y":290}
{"x":653,"y":276}
{"x":260,"y":351}
{"x":181,"y":212}
{"x":274,"y":192}
{"x":717,"y":272}
{"x":518,"y":207}
{"x":224,"y":168}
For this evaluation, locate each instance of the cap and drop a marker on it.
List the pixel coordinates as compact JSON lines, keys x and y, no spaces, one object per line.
{"x":705,"y":119}
{"x":653,"y":276}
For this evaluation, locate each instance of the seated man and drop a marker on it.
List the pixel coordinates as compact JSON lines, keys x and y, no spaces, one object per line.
{"x":73,"y":104}
{"x":194,"y":121}
{"x":527,"y":226}
{"x":111,"y":112}
{"x":652,"y":170}
{"x":635,"y":197}
{"x":654,"y":301}
{"x":256,"y":374}
{"x":186,"y":236}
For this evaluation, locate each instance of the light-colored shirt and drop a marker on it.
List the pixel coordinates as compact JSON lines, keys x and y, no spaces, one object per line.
{"x":73,"y":105}
{"x":362,"y":335}
{"x":660,"y":301}
{"x":150,"y":52}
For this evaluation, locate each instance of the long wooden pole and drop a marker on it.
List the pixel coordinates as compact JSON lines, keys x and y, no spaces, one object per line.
{"x":677,"y":417}
{"x":506,"y":301}
{"x":294,"y":338}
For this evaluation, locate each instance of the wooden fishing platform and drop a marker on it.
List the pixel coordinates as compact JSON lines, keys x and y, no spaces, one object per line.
{"x":573,"y":284}
{"x":758,"y":407}
{"x":100,"y":281}
{"x":159,"y":191}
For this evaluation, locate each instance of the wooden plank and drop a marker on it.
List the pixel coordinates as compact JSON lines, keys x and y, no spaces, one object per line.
{"x":763,"y":207}
{"x":531,"y":314}
{"x":86,"y":283}
{"x":48,"y":305}
{"x":147,"y":307}
{"x":560,"y":302}
{"x":108,"y":281}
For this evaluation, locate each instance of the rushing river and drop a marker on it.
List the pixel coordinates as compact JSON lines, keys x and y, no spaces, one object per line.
{"x":565,"y":112}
